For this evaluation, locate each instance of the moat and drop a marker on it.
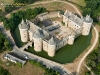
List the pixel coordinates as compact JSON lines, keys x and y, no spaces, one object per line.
{"x":66,"y":54}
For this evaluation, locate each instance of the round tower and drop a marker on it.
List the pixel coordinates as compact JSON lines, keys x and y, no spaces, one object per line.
{"x":71,"y":39}
{"x":51,"y":47}
{"x":38,"y":43}
{"x":23,"y":27}
{"x":87,"y":22}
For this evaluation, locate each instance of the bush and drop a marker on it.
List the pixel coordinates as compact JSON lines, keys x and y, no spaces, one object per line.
{"x":24,"y":1}
{"x":9,"y":8}
{"x":4,"y":71}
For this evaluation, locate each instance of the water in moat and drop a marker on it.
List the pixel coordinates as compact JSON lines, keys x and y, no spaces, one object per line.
{"x":66,"y":54}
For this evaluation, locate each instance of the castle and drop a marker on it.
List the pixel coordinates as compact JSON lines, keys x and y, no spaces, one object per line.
{"x":51,"y":36}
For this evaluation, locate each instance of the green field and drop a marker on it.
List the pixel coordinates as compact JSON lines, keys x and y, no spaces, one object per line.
{"x":66,"y":54}
{"x":79,"y":2}
{"x":6,"y":1}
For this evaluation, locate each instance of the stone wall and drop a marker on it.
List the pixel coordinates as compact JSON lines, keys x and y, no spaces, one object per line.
{"x":38,"y":44}
{"x":47,"y":15}
{"x":86,"y":28}
{"x":24,"y":35}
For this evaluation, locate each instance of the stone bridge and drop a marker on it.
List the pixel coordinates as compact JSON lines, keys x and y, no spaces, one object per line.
{"x":26,"y":46}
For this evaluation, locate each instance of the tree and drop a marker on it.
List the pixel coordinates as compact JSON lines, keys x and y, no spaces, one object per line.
{"x":93,"y":8}
{"x":25,"y":1}
{"x":4,"y":43}
{"x":7,"y":44}
{"x":87,"y":11}
{"x":9,"y":8}
{"x":16,"y":18}
{"x":92,"y":4}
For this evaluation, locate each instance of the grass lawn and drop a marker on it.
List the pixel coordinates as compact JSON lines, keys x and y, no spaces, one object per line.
{"x":27,"y":69}
{"x":53,"y":6}
{"x":79,"y":2}
{"x":6,"y":1}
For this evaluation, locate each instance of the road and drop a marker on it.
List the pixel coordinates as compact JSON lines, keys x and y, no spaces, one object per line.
{"x":48,"y":63}
{"x":89,"y":51}
{"x":7,"y":34}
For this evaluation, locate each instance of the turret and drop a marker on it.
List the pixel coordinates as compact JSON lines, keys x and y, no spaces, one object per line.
{"x":71,"y":39}
{"x":38,"y":43}
{"x":65,"y":17}
{"x":23,"y":27}
{"x":51,"y":47}
{"x":87,"y":22}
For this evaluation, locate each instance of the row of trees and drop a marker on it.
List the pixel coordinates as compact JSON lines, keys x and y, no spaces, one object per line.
{"x":48,"y":71}
{"x":4,"y":71}
{"x":24,"y":1}
{"x":4,"y":43}
{"x":93,"y":8}
{"x":17,"y":4}
{"x":9,"y":8}
{"x":93,"y":60}
{"x":16,"y":18}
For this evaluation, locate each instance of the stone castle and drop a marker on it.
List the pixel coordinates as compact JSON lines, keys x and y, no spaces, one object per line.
{"x":51,"y":36}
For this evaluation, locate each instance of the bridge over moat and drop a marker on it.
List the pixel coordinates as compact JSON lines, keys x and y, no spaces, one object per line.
{"x":29,"y":44}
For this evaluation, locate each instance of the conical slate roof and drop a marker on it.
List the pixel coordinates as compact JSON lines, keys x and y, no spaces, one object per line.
{"x":38,"y":34}
{"x":88,"y":19}
{"x":23,"y":25}
{"x":23,"y":22}
{"x":52,"y":41}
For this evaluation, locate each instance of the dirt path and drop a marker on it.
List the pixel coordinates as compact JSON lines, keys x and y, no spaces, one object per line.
{"x":89,"y":51}
{"x":45,"y":2}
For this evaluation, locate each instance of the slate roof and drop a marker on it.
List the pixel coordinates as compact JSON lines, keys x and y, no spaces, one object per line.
{"x":73,"y":18}
{"x":52,"y":41}
{"x":88,"y":19}
{"x":39,"y":33}
{"x":16,"y":57}
{"x":23,"y":25}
